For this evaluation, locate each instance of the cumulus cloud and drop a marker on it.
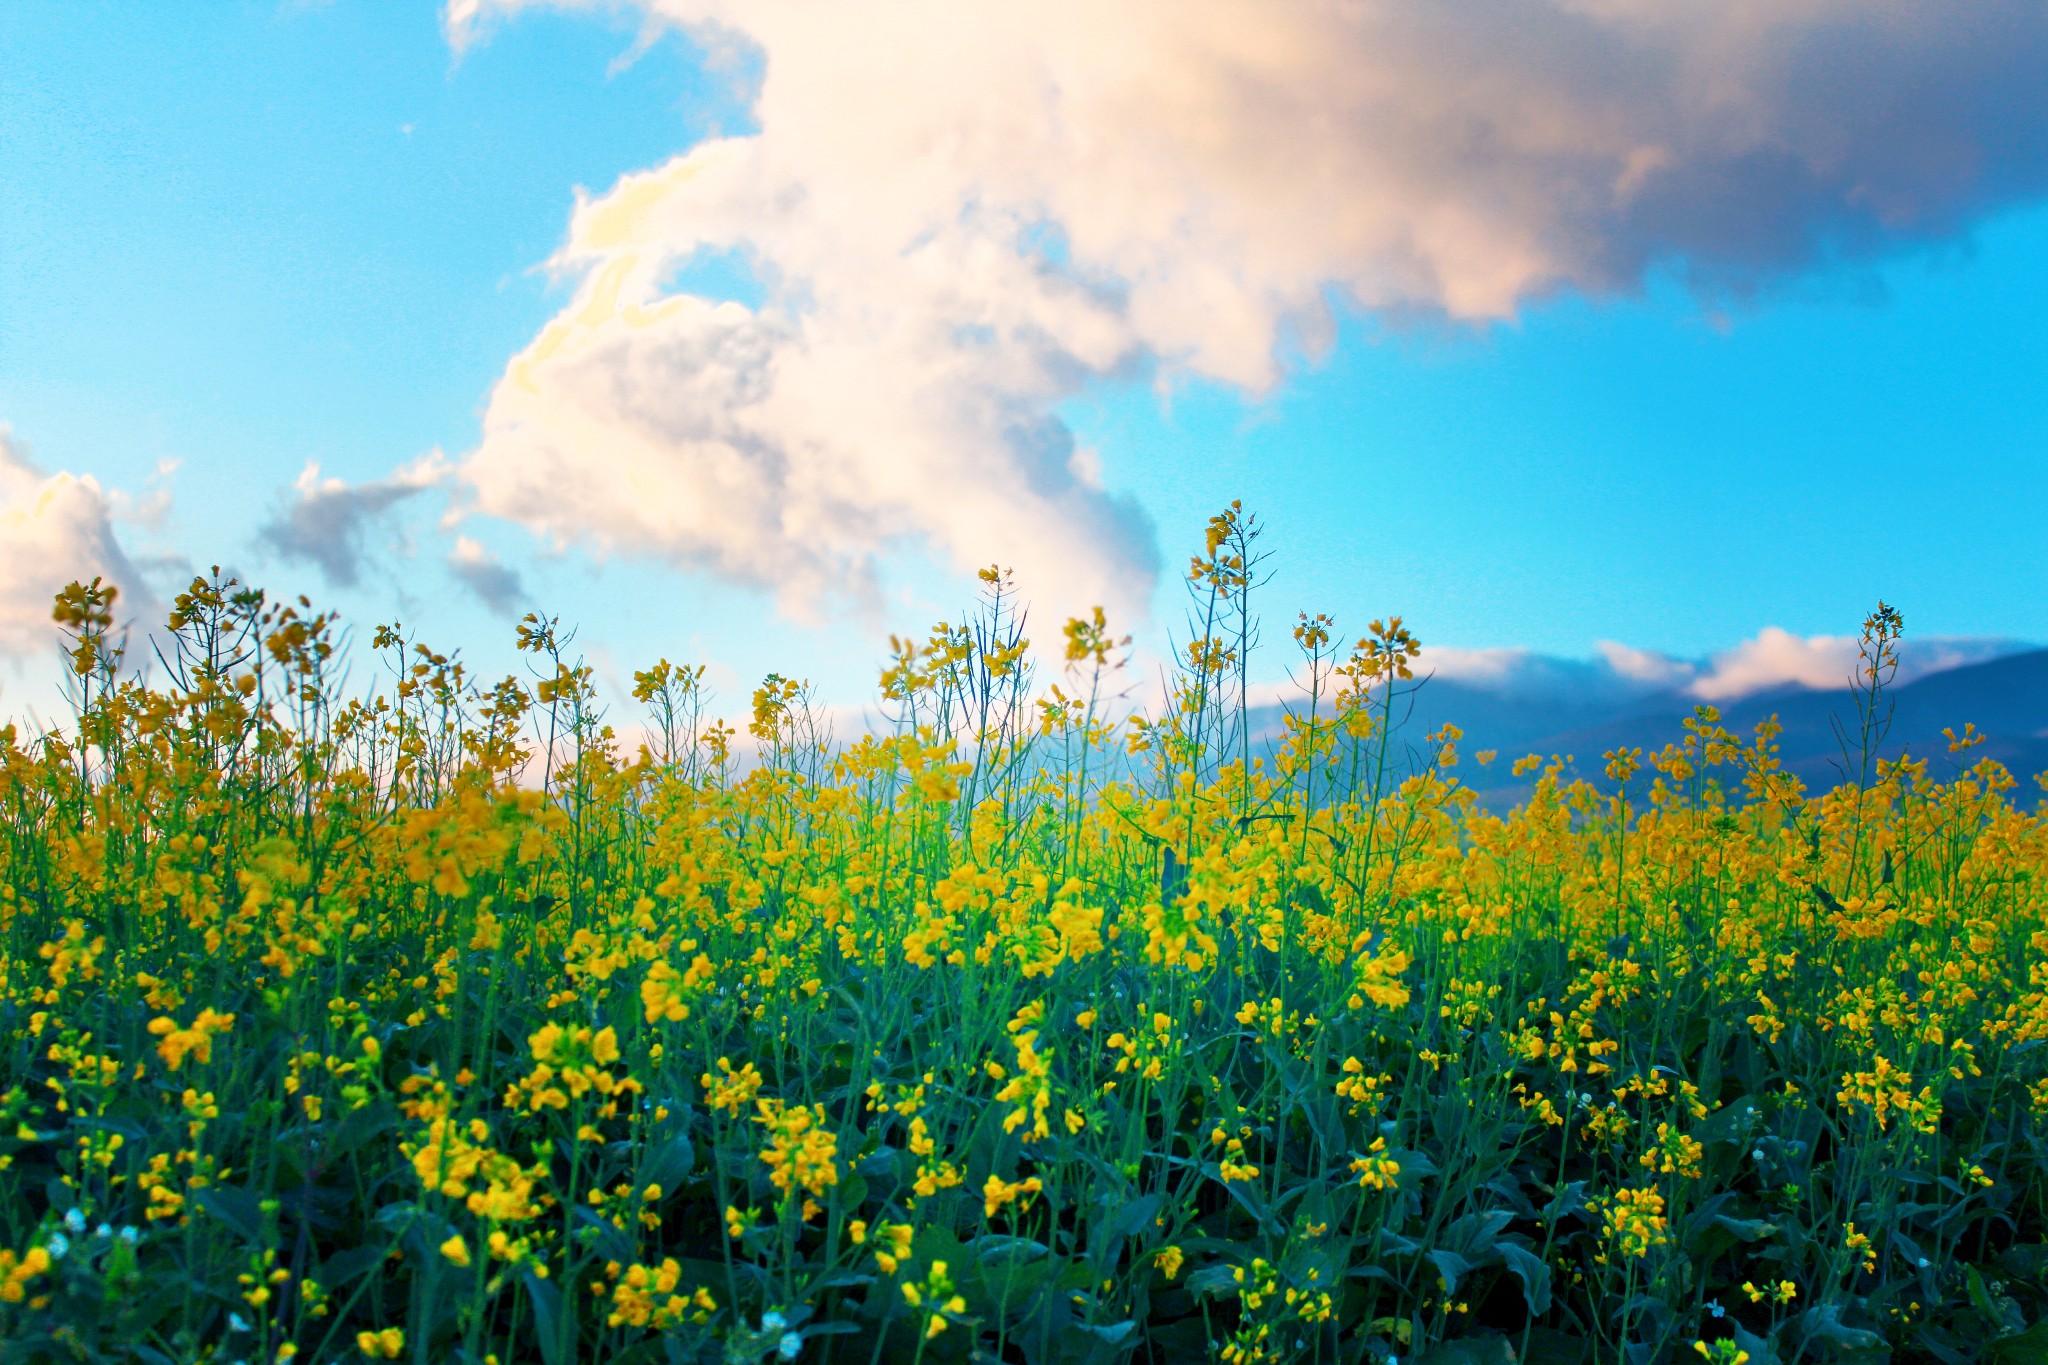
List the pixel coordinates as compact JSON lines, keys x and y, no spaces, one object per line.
{"x":53,"y":528}
{"x":960,"y":216}
{"x":477,"y":569}
{"x":791,"y":446}
{"x":328,"y":521}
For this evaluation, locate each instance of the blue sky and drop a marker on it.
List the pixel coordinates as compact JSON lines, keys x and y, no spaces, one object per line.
{"x":245,"y":237}
{"x":1639,"y":471}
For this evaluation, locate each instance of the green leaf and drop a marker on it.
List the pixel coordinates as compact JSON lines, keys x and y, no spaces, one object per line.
{"x":1248,"y":1196}
{"x":1565,"y":1202}
{"x":1708,"y":1234}
{"x":354,"y":1129}
{"x":1547,"y":1346}
{"x":1130,"y":1217}
{"x":547,"y":1315}
{"x":1746,"y":1229}
{"x":2026,"y":1261}
{"x":1979,"y":1295}
{"x":1080,"y":1343}
{"x":1472,"y":1351}
{"x":2002,"y":1311}
{"x":1472,"y":1236}
{"x":670,"y":1164}
{"x":1761,"y":1352}
{"x":1214,"y":1282}
{"x":998,"y":1250}
{"x":844,"y":1279}
{"x":344,"y":1266}
{"x":239,"y":1208}
{"x":2022,"y":1348}
{"x":880,"y":1164}
{"x":611,"y":1243}
{"x":1823,"y":1323}
{"x":1452,"y":1267}
{"x":1413,"y":1163}
{"x":1534,"y":1274}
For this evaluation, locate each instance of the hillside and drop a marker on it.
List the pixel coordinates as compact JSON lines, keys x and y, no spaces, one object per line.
{"x":1568,"y":708}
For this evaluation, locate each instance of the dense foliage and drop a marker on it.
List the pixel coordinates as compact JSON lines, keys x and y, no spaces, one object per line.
{"x":426,"y":1026}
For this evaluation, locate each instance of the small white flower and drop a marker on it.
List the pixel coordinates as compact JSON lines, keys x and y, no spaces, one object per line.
{"x":131,"y":1236}
{"x":74,"y":1221}
{"x":790,"y":1347}
{"x":57,"y":1246}
{"x":773,"y":1321}
{"x":236,"y":1324}
{"x":1923,"y":1263}
{"x":103,"y":1231}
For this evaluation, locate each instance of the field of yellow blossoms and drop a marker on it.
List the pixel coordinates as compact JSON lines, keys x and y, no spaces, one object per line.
{"x":422,"y":1022}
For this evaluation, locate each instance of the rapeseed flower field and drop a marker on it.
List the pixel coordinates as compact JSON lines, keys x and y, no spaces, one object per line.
{"x":425,"y":1023}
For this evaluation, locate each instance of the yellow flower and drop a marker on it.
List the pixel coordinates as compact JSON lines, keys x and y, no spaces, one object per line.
{"x":195,"y":1042}
{"x":384,"y":1345}
{"x":1376,"y":1170}
{"x":1634,"y":1220}
{"x":15,"y":1274}
{"x":731,"y":1091}
{"x":997,"y":1193}
{"x":895,"y":1237}
{"x":800,"y":1153}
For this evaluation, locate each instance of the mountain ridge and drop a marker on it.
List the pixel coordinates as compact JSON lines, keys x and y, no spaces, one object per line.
{"x":2005,"y":697}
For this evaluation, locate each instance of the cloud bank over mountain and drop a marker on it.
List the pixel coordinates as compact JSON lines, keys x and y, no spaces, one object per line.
{"x":1513,"y":702}
{"x":1772,"y":660}
{"x":960,"y":217}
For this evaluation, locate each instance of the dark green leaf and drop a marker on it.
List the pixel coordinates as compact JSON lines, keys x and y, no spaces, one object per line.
{"x":547,"y":1315}
{"x":1529,"y":1268}
{"x":2022,"y":1348}
{"x":670,"y":1164}
{"x":1452,"y":1267}
{"x":237,"y":1207}
{"x":1214,"y":1282}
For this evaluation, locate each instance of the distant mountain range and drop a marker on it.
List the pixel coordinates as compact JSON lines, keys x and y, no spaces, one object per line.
{"x":1582,"y":709}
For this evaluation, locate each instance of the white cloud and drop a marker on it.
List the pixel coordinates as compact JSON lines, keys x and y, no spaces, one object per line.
{"x":1492,"y":668}
{"x":54,"y":528}
{"x":149,"y":510}
{"x":961,"y":214}
{"x":791,"y":447}
{"x":1778,"y":658}
{"x":1645,"y":666}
